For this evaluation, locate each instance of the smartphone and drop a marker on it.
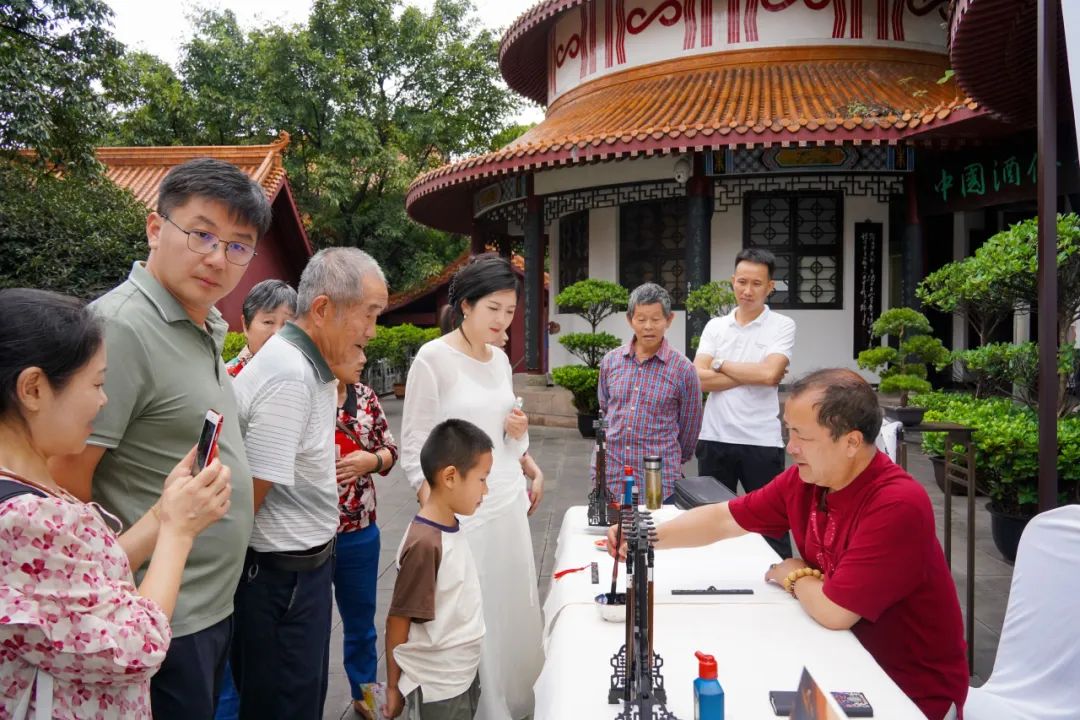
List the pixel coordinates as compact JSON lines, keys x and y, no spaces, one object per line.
{"x":208,"y":440}
{"x":854,"y":704}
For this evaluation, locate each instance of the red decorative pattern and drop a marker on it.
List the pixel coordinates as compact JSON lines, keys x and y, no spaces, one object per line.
{"x":882,"y":19}
{"x":551,"y":65}
{"x":638,"y":20}
{"x":620,"y":31}
{"x":733,"y":22}
{"x":898,"y":19}
{"x":840,"y":12}
{"x":706,"y":23}
{"x":592,"y":37}
{"x":570,"y":50}
{"x":750,"y":20}
{"x":609,"y":49}
{"x":584,"y":34}
{"x":856,"y":19}
{"x":690,"y":21}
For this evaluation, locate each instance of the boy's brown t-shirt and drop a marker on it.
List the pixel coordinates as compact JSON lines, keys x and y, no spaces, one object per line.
{"x":438,"y":589}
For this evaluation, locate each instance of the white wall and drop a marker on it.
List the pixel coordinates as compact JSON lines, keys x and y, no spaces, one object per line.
{"x":603,"y":265}
{"x":824,"y":338}
{"x":643,"y":169}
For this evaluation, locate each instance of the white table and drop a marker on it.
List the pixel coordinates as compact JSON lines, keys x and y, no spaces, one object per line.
{"x":761,"y":642}
{"x":737,"y":563}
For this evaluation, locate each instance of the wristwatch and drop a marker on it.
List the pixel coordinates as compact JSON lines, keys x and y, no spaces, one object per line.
{"x":717,"y":363}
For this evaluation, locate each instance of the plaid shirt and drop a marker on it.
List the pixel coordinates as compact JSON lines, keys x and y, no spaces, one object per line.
{"x":651,"y":408}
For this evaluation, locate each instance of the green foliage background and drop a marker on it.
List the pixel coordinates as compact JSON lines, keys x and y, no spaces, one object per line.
{"x":74,"y":235}
{"x":372,"y":93}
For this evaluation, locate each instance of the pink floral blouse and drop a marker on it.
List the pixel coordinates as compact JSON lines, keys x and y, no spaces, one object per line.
{"x":69,"y":608}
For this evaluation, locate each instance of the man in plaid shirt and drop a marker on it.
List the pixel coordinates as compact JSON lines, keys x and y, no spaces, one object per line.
{"x":650,"y":395}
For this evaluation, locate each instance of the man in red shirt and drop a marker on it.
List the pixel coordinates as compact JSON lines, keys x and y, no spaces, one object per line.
{"x":865,"y":528}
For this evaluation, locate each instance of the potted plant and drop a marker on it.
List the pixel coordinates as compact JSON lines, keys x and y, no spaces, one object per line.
{"x":581,"y":381}
{"x":903,"y":368}
{"x":594,"y":301}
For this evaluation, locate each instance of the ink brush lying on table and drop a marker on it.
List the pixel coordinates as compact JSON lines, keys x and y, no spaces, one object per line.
{"x":713,"y":590}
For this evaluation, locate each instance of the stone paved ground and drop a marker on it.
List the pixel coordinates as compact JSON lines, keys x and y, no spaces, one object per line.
{"x":563,"y":455}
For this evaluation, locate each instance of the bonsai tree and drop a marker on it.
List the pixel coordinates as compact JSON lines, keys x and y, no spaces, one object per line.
{"x":903,"y":368}
{"x":582,"y":382}
{"x":594,"y":301}
{"x":711,"y":300}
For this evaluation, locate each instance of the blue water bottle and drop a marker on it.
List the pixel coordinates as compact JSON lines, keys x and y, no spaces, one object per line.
{"x":708,"y":695}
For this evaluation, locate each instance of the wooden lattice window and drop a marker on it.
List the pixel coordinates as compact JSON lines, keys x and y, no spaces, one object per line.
{"x":573,"y":248}
{"x":805,"y":232}
{"x":652,"y":246}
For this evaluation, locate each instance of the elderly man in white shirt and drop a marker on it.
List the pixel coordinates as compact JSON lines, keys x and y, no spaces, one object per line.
{"x":287,"y":401}
{"x":741,"y":360}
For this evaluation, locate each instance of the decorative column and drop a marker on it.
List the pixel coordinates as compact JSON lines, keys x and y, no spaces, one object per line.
{"x":913,"y":256}
{"x":698,"y":242}
{"x":534,"y":278}
{"x":476,"y":240}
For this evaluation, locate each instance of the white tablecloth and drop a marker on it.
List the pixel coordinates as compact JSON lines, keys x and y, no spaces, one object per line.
{"x":737,"y":563}
{"x":761,"y":641}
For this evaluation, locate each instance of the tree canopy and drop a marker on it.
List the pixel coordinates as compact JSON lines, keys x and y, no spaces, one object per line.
{"x":55,"y":56}
{"x":372,"y":93}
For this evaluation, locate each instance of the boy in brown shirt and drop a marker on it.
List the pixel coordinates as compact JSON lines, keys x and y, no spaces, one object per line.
{"x":435,"y":627}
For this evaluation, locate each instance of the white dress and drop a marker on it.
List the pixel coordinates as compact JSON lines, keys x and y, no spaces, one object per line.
{"x":445,"y":383}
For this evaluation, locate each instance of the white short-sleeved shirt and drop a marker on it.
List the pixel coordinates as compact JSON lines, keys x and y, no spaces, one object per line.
{"x":438,"y":589}
{"x":287,"y":398}
{"x":747,"y":414}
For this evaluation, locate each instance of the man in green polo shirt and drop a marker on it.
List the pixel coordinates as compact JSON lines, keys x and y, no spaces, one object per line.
{"x":163,"y":337}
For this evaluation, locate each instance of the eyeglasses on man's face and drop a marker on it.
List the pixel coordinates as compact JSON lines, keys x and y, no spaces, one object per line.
{"x":204,"y":243}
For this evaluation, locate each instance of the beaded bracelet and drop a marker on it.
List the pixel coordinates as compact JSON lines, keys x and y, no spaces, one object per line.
{"x":794,"y":575}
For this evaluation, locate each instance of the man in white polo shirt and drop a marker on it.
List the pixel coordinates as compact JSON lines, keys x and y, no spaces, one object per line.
{"x":741,"y":360}
{"x":287,"y":400}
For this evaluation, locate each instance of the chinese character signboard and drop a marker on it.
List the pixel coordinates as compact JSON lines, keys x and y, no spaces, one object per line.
{"x":992,"y":175}
{"x":867,"y":282}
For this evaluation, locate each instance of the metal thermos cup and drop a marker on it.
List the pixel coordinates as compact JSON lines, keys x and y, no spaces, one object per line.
{"x":654,"y":485}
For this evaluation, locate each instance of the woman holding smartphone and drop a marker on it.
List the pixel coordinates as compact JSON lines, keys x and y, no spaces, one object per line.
{"x":465,"y":375}
{"x":79,"y":639}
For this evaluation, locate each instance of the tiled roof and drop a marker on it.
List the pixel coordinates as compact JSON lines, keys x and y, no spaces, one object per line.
{"x":784,"y":96}
{"x":401,"y":299}
{"x":525,"y":41}
{"x":141,"y":169}
{"x":994,"y":47}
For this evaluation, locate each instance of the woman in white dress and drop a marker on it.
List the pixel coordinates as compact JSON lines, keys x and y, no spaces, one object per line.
{"x":462,"y":376}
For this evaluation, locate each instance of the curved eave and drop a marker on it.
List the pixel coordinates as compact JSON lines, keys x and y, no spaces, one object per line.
{"x":705,"y":103}
{"x":524,"y":42}
{"x":993,"y":50}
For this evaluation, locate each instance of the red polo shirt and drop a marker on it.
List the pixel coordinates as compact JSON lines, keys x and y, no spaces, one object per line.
{"x":875,"y":542}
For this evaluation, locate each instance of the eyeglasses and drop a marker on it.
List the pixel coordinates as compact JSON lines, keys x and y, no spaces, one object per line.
{"x":204,"y":243}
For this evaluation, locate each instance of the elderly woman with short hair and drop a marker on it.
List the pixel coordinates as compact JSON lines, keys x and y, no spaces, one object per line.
{"x":267,"y":307}
{"x":650,"y":394}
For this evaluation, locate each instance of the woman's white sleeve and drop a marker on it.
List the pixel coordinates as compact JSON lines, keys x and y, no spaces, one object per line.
{"x":422,"y":411}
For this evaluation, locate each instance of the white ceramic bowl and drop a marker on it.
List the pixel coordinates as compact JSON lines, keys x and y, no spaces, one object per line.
{"x":615,"y":613}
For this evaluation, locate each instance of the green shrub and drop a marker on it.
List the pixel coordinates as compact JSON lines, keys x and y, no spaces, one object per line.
{"x":234,"y":343}
{"x":1006,"y":439}
{"x":590,"y":348}
{"x":396,"y":344}
{"x":582,"y":383}
{"x":713,"y":299}
{"x":77,"y":235}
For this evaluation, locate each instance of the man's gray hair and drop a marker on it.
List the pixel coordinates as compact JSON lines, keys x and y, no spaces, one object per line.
{"x":649,"y":294}
{"x":337,"y":273}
